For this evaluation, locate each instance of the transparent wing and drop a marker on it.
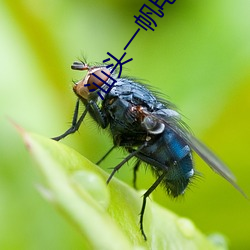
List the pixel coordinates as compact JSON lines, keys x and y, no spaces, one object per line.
{"x":175,"y":124}
{"x":208,"y":156}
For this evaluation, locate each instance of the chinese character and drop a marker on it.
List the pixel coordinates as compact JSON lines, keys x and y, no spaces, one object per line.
{"x":119,"y":63}
{"x":132,"y":38}
{"x":161,"y":6}
{"x":104,"y":82}
{"x":146,"y":19}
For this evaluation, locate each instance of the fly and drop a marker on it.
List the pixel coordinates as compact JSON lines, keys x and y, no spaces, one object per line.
{"x":149,"y":128}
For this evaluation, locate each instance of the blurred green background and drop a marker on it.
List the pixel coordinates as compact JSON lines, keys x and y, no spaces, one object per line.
{"x":199,"y":56}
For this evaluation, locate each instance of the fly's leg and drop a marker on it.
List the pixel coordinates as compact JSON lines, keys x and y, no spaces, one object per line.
{"x":135,"y":169}
{"x":145,"y":196}
{"x":105,"y":155}
{"x":75,"y":124}
{"x":93,"y":109}
{"x":124,"y":161}
{"x":97,"y":114}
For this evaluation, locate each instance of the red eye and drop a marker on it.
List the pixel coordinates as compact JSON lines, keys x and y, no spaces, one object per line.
{"x":93,"y":78}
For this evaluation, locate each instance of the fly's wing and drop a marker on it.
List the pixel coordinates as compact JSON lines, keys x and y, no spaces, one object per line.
{"x":175,"y":124}
{"x":212,"y":160}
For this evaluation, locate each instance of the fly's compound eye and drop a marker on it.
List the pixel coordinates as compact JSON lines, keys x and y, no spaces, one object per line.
{"x":97,"y":77}
{"x":152,"y":125}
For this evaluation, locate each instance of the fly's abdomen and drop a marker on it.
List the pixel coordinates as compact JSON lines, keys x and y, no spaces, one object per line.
{"x":180,"y":166}
{"x":169,"y":155}
{"x":178,"y":176}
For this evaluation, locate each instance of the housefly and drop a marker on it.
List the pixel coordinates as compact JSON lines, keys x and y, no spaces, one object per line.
{"x":149,"y":128}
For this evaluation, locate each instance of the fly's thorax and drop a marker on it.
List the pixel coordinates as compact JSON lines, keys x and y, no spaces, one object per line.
{"x":96,"y":77}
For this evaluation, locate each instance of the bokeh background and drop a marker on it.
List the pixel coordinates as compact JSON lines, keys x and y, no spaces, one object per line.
{"x":198,"y":56}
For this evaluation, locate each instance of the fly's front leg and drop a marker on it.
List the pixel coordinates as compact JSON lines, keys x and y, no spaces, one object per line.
{"x":95,"y":112}
{"x":75,"y":123}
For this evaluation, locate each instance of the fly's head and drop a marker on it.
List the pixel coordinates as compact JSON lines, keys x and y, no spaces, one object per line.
{"x":96,"y":76}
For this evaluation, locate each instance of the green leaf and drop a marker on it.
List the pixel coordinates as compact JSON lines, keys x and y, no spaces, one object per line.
{"x":107,"y":215}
